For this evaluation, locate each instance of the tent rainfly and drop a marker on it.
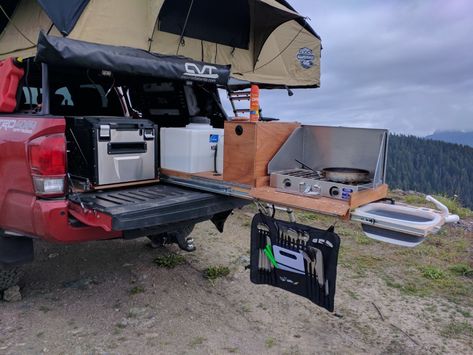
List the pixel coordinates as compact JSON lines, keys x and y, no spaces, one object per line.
{"x":265,"y":41}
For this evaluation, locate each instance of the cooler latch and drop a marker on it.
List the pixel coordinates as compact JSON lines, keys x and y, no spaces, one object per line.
{"x":104,"y":132}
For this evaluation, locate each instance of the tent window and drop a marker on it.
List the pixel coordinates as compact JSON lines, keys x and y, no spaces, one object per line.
{"x":224,"y":22}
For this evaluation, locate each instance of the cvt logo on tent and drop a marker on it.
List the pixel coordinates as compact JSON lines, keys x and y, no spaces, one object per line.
{"x":206,"y":72}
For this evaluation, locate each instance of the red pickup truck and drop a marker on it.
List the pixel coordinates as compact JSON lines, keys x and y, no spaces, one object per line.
{"x":39,"y":197}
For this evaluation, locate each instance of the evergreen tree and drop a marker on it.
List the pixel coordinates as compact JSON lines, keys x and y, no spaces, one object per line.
{"x":431,"y":167}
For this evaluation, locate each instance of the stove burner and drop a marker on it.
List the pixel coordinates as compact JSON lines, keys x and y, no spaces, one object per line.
{"x":309,"y":174}
{"x":308,"y":183}
{"x":303,"y":173}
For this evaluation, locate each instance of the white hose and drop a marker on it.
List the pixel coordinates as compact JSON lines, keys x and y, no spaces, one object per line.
{"x":448,"y":218}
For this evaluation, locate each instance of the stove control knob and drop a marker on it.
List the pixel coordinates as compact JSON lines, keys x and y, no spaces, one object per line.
{"x":287,"y":183}
{"x":334,"y":191}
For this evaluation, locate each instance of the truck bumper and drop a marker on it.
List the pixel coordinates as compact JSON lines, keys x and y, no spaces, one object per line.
{"x":52,"y":223}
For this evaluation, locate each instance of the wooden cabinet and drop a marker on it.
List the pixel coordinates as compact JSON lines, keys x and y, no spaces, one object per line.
{"x":249,"y":146}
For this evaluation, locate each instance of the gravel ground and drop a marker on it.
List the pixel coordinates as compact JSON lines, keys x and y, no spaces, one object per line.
{"x":110,"y":297}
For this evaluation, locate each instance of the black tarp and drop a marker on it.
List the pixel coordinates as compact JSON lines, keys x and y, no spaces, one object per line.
{"x":64,"y":13}
{"x":125,"y":60}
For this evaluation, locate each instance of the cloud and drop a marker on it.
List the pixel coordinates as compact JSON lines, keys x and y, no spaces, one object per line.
{"x":403,"y":65}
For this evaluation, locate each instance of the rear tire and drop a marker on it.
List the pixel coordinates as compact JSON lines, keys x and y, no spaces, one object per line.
{"x":9,"y":276}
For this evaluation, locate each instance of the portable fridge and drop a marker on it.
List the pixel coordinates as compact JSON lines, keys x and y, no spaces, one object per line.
{"x":104,"y":150}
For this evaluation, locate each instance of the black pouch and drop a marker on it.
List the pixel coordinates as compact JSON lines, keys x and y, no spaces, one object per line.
{"x":297,"y":258}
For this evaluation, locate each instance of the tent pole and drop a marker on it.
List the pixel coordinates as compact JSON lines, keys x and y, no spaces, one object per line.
{"x":184,"y":27}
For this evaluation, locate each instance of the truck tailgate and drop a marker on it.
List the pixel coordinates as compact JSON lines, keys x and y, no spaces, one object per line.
{"x":148,"y":206}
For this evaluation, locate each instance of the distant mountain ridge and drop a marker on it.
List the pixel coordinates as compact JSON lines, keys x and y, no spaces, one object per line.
{"x":431,"y":167}
{"x":458,"y":137}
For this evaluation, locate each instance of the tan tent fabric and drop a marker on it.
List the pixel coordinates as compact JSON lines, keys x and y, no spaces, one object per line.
{"x":30,"y":19}
{"x":134,"y":22}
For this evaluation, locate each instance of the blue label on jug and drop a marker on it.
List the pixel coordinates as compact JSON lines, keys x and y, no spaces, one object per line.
{"x":213,"y":138}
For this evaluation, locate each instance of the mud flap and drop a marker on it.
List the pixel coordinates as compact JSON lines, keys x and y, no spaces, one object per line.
{"x":297,"y":258}
{"x":219,"y":219}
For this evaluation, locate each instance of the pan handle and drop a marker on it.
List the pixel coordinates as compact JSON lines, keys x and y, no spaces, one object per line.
{"x":393,"y":202}
{"x":308,"y":167}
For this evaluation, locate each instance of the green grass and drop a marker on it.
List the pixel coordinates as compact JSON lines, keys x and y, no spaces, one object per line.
{"x":270,"y":342}
{"x":455,"y":207}
{"x":212,"y":273}
{"x":136,"y":290}
{"x":169,"y":261}
{"x":452,"y":204}
{"x":120,"y":326}
{"x":461,"y":270}
{"x":415,"y":200}
{"x":432,"y":272}
{"x":353,"y":294}
{"x":457,"y":329}
{"x":196,"y":342}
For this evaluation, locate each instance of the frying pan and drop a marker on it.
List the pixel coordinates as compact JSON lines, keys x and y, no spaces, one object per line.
{"x":341,"y":175}
{"x":346,"y":175}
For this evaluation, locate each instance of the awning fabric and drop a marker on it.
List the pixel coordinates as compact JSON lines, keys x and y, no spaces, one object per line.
{"x":61,"y":51}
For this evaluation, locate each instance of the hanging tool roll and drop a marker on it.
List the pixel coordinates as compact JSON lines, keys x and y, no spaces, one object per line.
{"x":297,"y":258}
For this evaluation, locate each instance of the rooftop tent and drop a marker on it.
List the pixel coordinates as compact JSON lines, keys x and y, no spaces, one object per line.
{"x":264,"y":41}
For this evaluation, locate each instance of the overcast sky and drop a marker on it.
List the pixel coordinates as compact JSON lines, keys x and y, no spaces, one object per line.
{"x":405,"y":65}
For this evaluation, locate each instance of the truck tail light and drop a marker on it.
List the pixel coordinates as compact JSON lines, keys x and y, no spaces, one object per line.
{"x":48,"y":164}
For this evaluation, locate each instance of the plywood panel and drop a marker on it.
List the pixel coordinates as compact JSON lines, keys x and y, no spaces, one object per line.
{"x":125,"y":184}
{"x":247,"y":155}
{"x":269,"y":139}
{"x":175,"y":173}
{"x":239,"y":151}
{"x":209,"y":175}
{"x":364,"y":197}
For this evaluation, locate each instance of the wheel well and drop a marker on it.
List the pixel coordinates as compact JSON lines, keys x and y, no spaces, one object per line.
{"x":15,"y":250}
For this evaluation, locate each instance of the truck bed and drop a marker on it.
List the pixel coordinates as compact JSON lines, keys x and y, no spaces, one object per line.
{"x":155,"y":205}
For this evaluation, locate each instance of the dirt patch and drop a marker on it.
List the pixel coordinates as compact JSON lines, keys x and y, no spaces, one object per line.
{"x":112,"y":297}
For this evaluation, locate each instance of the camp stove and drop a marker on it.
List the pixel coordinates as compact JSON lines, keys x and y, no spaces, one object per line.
{"x":322,"y":161}
{"x":312,"y":184}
